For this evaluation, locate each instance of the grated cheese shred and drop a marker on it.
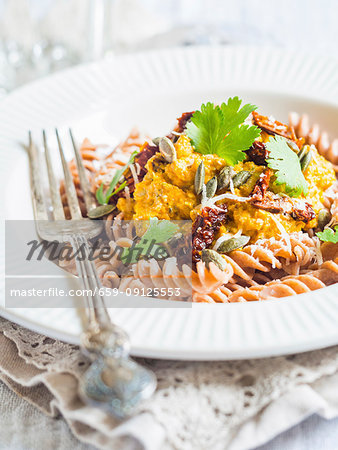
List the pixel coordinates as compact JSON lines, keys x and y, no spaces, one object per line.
{"x":133,"y":172}
{"x":283,"y":233}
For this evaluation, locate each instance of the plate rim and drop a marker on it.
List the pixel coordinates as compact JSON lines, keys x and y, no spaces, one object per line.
{"x":177,"y":354}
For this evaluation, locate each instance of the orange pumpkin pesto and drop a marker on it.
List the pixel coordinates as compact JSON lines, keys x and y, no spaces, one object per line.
{"x":167,"y":192}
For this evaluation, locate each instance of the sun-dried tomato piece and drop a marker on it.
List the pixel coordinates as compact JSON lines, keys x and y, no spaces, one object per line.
{"x":261,"y":186}
{"x":182,"y":121}
{"x":298,"y":210}
{"x":304,"y":212}
{"x":273,"y":126}
{"x":261,"y":198}
{"x":258,"y":153}
{"x":141,"y":159}
{"x":181,"y":125}
{"x":205,"y":227}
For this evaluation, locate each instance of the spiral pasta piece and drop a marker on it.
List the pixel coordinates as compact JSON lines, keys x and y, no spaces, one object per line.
{"x":264,"y":263}
{"x":330,"y":201}
{"x":109,"y":278}
{"x":149,"y":274}
{"x":220,"y":295}
{"x":313,"y":135}
{"x":298,"y":253}
{"x":326,"y":275}
{"x":205,"y":281}
{"x":268,"y":255}
{"x":193,"y":284}
{"x":329,"y":251}
{"x":116,"y":228}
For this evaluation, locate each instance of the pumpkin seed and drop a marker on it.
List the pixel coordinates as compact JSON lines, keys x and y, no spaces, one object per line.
{"x":224,"y":177}
{"x":156,"y":141}
{"x":233,"y":244}
{"x":199,"y":178}
{"x":303,"y":151}
{"x":305,"y":161}
{"x":100,"y":211}
{"x":210,"y":256}
{"x":324,"y":218}
{"x":167,"y":149}
{"x":293,"y":145}
{"x":241,"y":178}
{"x":211,"y":187}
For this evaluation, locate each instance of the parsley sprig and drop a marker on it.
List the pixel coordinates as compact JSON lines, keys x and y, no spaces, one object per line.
{"x":158,"y":232}
{"x":285,"y":163}
{"x":104,"y":197}
{"x":220,"y":130}
{"x":328,"y":235}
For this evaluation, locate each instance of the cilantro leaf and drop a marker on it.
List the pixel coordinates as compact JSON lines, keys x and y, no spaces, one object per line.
{"x":233,"y":146}
{"x":328,"y":235}
{"x":286,"y":165}
{"x":218,"y":130}
{"x":233,"y":116}
{"x":102,"y":198}
{"x":206,"y":129}
{"x":158,"y":232}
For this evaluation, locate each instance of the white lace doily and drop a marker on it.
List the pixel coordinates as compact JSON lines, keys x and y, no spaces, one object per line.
{"x":199,"y":404}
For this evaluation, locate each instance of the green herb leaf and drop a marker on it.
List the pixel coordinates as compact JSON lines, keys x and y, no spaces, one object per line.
{"x":100,"y":195}
{"x":160,"y":230}
{"x":116,"y":178}
{"x":234,"y":145}
{"x":328,"y":235}
{"x":218,"y":130}
{"x":285,"y":163}
{"x":104,"y":198}
{"x":233,"y":116}
{"x":157,"y":233}
{"x":206,"y":129}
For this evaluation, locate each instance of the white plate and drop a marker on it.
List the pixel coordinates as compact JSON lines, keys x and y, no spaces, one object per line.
{"x":103,"y":101}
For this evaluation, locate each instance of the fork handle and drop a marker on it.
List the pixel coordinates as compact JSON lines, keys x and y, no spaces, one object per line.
{"x":101,"y":335}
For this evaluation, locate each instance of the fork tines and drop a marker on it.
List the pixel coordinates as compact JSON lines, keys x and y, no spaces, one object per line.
{"x":36,"y":181}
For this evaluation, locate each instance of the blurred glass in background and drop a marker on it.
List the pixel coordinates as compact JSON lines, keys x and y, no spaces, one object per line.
{"x":38,"y":37}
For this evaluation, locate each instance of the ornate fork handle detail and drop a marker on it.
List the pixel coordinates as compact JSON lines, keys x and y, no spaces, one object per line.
{"x":113,"y":380}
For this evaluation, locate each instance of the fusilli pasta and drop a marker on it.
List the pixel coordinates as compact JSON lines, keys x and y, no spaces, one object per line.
{"x":313,"y":135}
{"x":292,"y":285}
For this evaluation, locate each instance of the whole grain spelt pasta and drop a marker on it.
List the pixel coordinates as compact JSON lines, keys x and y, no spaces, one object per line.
{"x":220,"y":295}
{"x":117,"y":228}
{"x":292,"y":285}
{"x":298,"y":252}
{"x":107,"y":275}
{"x":313,"y":135}
{"x":330,"y":195}
{"x":207,"y":280}
{"x":151,"y":274}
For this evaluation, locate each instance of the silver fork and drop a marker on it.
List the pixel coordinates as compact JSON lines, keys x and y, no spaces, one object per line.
{"x":113,"y":381}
